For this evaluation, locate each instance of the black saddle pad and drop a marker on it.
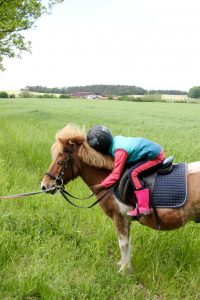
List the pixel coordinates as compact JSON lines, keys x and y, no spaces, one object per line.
{"x":170,"y":191}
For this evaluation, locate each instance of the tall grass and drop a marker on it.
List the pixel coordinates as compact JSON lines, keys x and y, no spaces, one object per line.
{"x":49,"y":250}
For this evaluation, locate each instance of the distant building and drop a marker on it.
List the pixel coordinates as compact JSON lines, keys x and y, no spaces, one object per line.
{"x":93,"y":96}
{"x":87,"y":95}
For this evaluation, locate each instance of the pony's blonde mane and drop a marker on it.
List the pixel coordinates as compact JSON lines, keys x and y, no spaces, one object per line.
{"x":95,"y":159}
{"x":73,"y":134}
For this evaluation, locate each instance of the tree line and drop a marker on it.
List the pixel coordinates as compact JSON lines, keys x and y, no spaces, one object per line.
{"x":108,"y":90}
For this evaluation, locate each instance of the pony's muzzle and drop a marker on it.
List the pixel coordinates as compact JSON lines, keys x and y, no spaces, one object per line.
{"x":48,"y":184}
{"x":52,"y":190}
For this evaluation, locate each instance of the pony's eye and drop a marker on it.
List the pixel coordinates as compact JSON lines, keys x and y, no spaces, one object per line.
{"x":60,"y":163}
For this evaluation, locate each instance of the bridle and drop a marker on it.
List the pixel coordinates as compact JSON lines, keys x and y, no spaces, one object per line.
{"x":59,"y":177}
{"x":59,"y":183}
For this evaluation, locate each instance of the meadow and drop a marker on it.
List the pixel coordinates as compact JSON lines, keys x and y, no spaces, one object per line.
{"x":50,"y":250}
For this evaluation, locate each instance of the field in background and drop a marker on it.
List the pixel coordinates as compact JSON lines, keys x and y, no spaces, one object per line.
{"x":167,"y":98}
{"x":49,"y":250}
{"x":176,"y":98}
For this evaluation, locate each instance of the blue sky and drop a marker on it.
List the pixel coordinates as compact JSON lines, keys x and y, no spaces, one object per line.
{"x":153,"y":44}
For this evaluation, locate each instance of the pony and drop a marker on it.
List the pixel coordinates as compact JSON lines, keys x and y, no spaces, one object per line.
{"x":93,"y":167}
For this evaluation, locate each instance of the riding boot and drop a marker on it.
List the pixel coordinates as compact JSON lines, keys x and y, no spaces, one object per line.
{"x":143,"y":204}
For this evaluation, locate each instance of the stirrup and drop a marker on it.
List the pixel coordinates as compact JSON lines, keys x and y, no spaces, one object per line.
{"x":139,"y":215}
{"x":146,"y":212}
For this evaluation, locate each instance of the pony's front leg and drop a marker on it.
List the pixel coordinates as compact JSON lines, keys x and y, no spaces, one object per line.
{"x":123,"y":231}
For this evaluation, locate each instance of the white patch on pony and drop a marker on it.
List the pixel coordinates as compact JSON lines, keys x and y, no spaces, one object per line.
{"x":194,"y":167}
{"x":124,"y":240}
{"x":125,"y":247}
{"x":123,"y":208}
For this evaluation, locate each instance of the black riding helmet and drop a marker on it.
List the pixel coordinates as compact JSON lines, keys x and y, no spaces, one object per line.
{"x":100,"y":138}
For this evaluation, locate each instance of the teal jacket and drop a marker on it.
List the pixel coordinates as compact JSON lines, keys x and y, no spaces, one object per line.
{"x":138,"y":148}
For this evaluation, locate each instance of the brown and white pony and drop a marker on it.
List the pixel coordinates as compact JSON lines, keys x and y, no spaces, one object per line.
{"x":93,"y":167}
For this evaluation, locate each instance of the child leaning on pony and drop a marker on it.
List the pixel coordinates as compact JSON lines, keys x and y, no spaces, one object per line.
{"x":141,"y":152}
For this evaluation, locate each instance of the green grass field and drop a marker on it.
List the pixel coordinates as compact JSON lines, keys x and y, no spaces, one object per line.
{"x":50,"y":250}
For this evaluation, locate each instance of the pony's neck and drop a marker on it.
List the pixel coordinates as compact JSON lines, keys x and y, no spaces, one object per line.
{"x":92,"y":175}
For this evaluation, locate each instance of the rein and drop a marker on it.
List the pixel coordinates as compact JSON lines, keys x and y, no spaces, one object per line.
{"x":64,"y":193}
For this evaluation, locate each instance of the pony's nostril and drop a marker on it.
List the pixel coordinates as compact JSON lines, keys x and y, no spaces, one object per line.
{"x":43,"y":187}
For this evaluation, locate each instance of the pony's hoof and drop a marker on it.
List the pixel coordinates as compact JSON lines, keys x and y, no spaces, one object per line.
{"x":122,"y":269}
{"x":127,"y":269}
{"x":130,"y":270}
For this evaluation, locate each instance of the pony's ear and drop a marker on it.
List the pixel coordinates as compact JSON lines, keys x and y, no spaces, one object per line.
{"x":62,"y":141}
{"x":77,"y":140}
{"x":65,"y":143}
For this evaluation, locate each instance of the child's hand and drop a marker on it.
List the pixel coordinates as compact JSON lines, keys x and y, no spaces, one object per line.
{"x":97,"y":188}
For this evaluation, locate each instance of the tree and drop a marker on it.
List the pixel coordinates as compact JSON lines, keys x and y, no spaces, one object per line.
{"x":15,"y":17}
{"x":194,"y":92}
{"x":3,"y":94}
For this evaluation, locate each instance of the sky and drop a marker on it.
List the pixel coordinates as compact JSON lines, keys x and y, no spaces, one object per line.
{"x":151,"y":44}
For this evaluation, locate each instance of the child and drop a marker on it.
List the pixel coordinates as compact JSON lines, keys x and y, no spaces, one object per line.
{"x":141,"y":152}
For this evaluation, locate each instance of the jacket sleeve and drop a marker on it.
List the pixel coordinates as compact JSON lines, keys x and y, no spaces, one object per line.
{"x":120,"y":157}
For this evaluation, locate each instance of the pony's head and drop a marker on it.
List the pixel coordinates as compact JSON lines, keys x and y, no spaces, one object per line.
{"x":69,"y":153}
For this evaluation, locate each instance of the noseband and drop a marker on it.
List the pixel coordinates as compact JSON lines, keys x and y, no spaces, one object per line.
{"x":60,"y":184}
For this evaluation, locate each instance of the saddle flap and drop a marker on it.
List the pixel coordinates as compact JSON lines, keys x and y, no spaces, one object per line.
{"x":125,"y":190}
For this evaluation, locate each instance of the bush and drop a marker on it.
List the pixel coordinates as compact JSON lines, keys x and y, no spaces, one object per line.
{"x":145,"y":98}
{"x":64,"y":96}
{"x":49,"y":96}
{"x":46,"y":96}
{"x":194,"y":92}
{"x":4,"y":94}
{"x":12,"y":95}
{"x":25,"y":94}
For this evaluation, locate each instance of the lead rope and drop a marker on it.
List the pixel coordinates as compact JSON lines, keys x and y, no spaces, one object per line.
{"x":27,"y":194}
{"x":62,"y":191}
